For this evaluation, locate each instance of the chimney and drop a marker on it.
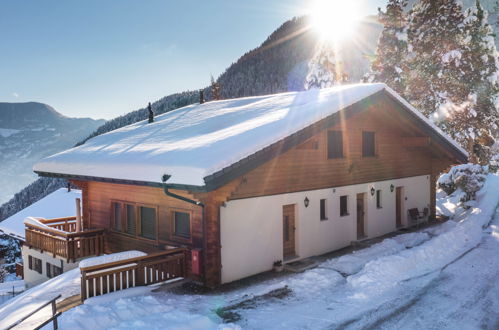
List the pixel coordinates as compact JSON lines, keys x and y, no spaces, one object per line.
{"x":151,"y":114}
{"x":201,"y":96}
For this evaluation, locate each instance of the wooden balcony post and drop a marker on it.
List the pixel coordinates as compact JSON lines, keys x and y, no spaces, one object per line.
{"x":83,"y":293}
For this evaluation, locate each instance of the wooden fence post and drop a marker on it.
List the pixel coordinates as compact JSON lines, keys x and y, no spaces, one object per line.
{"x":83,"y":289}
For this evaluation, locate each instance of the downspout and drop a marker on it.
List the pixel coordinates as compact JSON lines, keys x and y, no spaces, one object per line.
{"x":165,"y":178}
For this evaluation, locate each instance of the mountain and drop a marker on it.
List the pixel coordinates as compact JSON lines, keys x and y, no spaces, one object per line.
{"x":30,"y":131}
{"x":279,"y":64}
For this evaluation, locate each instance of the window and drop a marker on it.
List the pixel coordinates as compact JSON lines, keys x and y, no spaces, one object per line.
{"x":368,"y":145}
{"x":30,"y":262}
{"x":52,"y":270}
{"x":56,"y":271}
{"x":182,"y":224}
{"x":130,"y":219}
{"x":378,"y":199}
{"x":343,"y":205}
{"x":147,"y":222}
{"x":117,"y":216}
{"x":334,"y":144}
{"x":37,"y":265}
{"x":323,"y":209}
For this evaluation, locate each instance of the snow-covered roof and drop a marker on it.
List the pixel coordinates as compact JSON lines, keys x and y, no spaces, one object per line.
{"x":58,"y":204}
{"x":198,"y":140}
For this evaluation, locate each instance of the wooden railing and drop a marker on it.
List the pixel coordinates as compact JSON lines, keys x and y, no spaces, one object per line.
{"x":139,"y":271}
{"x":67,"y":224}
{"x":65,"y":244}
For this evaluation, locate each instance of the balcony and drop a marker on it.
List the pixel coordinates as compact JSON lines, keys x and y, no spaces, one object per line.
{"x":60,"y":238}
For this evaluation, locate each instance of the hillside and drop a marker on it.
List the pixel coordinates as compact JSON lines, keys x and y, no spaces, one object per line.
{"x":29,"y":132}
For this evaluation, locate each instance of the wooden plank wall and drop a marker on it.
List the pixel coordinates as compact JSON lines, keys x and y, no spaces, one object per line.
{"x":97,"y":198}
{"x":306,"y":167}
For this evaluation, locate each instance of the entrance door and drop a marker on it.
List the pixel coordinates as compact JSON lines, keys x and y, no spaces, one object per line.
{"x":288,"y":227}
{"x":360,"y":216}
{"x":398,"y":206}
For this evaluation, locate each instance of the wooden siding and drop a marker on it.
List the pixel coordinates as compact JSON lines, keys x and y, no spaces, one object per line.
{"x":98,"y":196}
{"x":302,"y":169}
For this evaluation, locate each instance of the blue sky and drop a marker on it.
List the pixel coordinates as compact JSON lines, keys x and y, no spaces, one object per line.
{"x":104,"y":58}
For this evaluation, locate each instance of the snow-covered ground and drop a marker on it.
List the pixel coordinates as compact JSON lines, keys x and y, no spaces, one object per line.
{"x":443,"y":277}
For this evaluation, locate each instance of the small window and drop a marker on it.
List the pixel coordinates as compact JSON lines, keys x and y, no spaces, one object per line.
{"x":148,"y":222}
{"x":117,"y":216}
{"x":182,"y":224}
{"x":343,"y":205}
{"x":323,"y":209}
{"x":378,"y":199}
{"x":30,"y":262}
{"x":130,"y":219}
{"x":368,"y":144}
{"x":38,"y":265}
{"x":334,"y":144}
{"x":49,"y":270}
{"x":56,"y":271}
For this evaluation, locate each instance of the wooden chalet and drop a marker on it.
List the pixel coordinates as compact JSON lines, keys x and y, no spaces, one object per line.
{"x":241,"y":184}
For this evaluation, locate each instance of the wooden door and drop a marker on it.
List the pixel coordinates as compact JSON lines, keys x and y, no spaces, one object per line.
{"x":360,"y":216}
{"x":398,"y":206}
{"x":288,"y":227}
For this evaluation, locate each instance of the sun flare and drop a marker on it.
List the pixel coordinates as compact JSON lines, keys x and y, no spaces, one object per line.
{"x":335,"y":20}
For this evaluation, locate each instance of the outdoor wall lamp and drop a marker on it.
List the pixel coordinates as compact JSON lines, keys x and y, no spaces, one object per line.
{"x":306,"y":202}
{"x":391,"y":188}
{"x":372,"y":191}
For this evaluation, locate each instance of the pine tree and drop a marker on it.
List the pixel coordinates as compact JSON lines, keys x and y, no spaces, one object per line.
{"x":478,"y":119}
{"x":389,"y":65}
{"x":435,"y":35}
{"x":322,"y":68}
{"x":215,"y":89}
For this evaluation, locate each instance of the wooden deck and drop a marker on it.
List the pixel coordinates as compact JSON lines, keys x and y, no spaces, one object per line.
{"x":59,"y":237}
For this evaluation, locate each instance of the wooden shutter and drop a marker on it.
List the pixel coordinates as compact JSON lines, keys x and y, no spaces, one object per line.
{"x":117,"y":215}
{"x":49,"y":270}
{"x":148,"y":222}
{"x":130,"y":219}
{"x":334,"y":144}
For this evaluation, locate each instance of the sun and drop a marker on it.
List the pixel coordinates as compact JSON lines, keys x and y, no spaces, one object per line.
{"x":335,"y":20}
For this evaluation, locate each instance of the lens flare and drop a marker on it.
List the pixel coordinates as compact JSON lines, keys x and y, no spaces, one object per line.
{"x":335,"y":20}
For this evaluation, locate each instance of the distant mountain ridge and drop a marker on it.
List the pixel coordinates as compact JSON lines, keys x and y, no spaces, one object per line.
{"x":30,"y":131}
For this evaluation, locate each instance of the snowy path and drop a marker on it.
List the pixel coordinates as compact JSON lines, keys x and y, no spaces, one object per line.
{"x":465,"y":295}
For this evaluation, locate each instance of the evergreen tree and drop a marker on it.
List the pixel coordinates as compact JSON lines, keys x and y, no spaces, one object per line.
{"x":435,"y":35}
{"x":389,"y":65}
{"x":322,"y":68}
{"x":215,"y":90}
{"x":478,"y":119}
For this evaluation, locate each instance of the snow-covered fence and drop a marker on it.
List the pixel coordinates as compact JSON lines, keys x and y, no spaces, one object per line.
{"x":52,"y":319}
{"x":138,"y":271}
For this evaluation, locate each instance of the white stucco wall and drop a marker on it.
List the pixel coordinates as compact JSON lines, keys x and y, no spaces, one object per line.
{"x":31,"y":276}
{"x":251,"y":228}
